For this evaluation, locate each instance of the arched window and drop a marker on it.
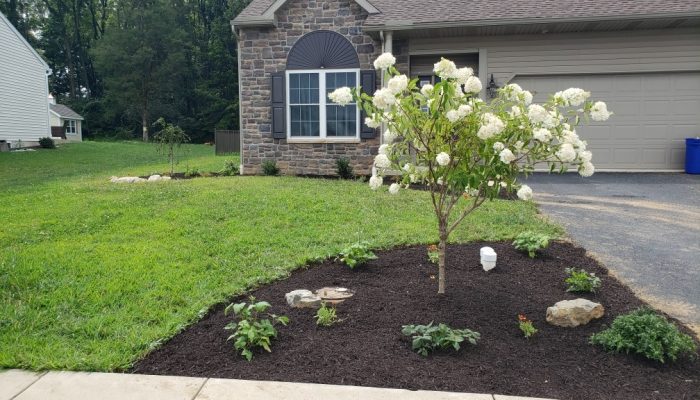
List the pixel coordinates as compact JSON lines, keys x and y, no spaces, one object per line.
{"x":318,"y":63}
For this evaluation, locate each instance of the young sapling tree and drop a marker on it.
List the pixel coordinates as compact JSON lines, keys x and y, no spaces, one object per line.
{"x":463,"y":148}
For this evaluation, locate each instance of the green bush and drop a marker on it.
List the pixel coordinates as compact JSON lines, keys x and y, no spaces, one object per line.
{"x":357,"y":254}
{"x":269,"y":167}
{"x":326,"y":316}
{"x":251,"y":330}
{"x":581,"y":281}
{"x":426,"y":338}
{"x":645,"y":333}
{"x":344,"y":169}
{"x":192,"y":172}
{"x":531,"y":242}
{"x":47,"y":143}
{"x":230,"y":168}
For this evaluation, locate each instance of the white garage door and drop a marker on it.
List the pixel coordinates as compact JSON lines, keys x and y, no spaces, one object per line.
{"x":653,"y":114}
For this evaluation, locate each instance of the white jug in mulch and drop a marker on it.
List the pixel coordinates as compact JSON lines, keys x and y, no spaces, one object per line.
{"x":488,"y":258}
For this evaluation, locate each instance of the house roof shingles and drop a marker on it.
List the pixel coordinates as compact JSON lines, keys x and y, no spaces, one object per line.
{"x":411,"y":12}
{"x":64,"y":111}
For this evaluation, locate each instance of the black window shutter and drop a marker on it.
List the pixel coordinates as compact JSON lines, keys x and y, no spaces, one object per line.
{"x":368,"y":81}
{"x":279,"y":106}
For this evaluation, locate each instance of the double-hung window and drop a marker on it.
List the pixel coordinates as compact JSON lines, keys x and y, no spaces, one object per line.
{"x":71,"y":127}
{"x":311,"y":115}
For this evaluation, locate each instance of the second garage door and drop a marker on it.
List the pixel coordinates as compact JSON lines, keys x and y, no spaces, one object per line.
{"x":653,"y":114}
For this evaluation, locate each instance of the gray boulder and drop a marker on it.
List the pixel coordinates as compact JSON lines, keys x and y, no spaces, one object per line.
{"x":302,"y":298}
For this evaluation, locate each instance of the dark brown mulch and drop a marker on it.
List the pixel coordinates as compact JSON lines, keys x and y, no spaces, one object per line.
{"x":367,"y":347}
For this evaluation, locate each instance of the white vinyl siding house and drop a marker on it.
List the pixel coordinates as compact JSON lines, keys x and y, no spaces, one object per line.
{"x":24,"y":107}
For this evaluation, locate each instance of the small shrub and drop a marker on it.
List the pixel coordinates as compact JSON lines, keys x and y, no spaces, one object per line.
{"x":47,"y":143}
{"x":645,"y":333}
{"x":230,"y":168}
{"x":269,"y":167}
{"x":526,"y":326}
{"x":531,"y":242}
{"x":433,"y":254}
{"x":581,"y":281}
{"x":344,"y":168}
{"x":357,"y":254}
{"x":192,"y":172}
{"x":326,"y":316}
{"x":426,"y":338}
{"x":252,"y":330}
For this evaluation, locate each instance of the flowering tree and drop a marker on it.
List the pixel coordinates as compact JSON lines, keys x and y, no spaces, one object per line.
{"x":464,"y":149}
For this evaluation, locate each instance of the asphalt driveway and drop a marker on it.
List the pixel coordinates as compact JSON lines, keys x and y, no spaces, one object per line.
{"x":644,"y":227}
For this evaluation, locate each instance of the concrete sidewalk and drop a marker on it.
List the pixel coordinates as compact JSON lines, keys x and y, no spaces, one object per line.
{"x":23,"y":385}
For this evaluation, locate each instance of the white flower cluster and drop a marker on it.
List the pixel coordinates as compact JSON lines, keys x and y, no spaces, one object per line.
{"x":491,"y":125}
{"x":525,"y":193}
{"x":398,"y":84}
{"x":445,"y":69}
{"x":443,"y":159}
{"x":461,"y":112}
{"x":341,"y":96}
{"x":384,"y":99}
{"x":427,"y":90}
{"x":384,"y":61}
{"x":516,"y":93}
{"x":572,"y":96}
{"x":599,"y":111}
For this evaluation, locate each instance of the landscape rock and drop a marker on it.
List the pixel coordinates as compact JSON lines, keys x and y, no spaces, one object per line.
{"x":126,"y":179}
{"x":572,"y":313}
{"x":156,"y":178}
{"x":302,"y":298}
{"x":334,"y":295}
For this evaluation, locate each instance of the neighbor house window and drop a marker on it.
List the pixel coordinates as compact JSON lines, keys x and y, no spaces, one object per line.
{"x":71,"y":127}
{"x":311,"y":114}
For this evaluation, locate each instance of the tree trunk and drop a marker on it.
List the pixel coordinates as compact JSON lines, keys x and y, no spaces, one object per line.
{"x":442,"y":247}
{"x":144,"y":125}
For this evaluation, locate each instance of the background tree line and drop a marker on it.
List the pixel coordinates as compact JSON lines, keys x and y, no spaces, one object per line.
{"x":122,"y":64}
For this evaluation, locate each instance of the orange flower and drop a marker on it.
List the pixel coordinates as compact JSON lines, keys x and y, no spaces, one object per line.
{"x":432,"y":247}
{"x":522,"y":318}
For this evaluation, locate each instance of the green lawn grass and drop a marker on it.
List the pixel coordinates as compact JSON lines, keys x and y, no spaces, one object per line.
{"x":94,"y":274}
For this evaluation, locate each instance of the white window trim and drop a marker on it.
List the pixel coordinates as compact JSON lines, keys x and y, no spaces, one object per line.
{"x":322,"y":109}
{"x":72,"y":124}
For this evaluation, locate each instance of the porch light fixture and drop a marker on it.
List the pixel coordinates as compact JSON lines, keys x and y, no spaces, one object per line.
{"x":491,"y":88}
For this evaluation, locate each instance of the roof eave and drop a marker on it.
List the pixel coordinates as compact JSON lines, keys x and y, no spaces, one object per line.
{"x":410,"y":25}
{"x":250,"y":22}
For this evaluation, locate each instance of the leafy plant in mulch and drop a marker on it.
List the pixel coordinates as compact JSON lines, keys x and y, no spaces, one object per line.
{"x":230,"y":168}
{"x":531,"y":242}
{"x":47,"y":143}
{"x":270,"y":168}
{"x":252,"y":329}
{"x":192,"y":172}
{"x":344,"y":169}
{"x":433,"y":254}
{"x":427,"y":338}
{"x":357,"y":254}
{"x":579,"y":280}
{"x":648,"y":334}
{"x":526,"y":326}
{"x":326,"y":316}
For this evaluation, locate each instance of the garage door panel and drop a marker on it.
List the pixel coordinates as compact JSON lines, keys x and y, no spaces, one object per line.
{"x":653,"y":114}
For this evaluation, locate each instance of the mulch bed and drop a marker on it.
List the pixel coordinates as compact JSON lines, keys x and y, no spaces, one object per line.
{"x":367,"y":348}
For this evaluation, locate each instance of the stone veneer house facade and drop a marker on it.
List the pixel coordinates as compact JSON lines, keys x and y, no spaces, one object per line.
{"x":641,"y":56}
